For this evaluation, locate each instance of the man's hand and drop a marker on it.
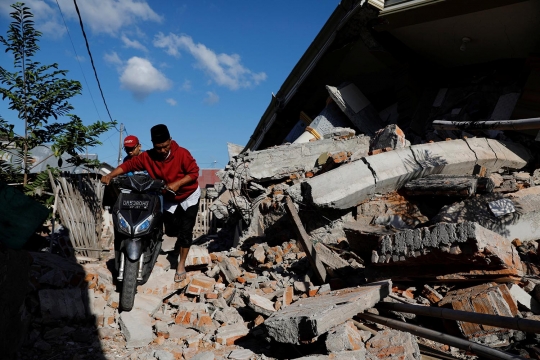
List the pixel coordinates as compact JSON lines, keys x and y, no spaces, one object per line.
{"x":106,"y":179}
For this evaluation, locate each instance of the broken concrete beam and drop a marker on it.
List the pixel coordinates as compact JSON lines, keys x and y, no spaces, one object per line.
{"x":441,"y":185}
{"x":306,"y":242}
{"x":485,"y":299}
{"x":352,"y":183}
{"x":521,"y":224}
{"x":357,"y":107}
{"x":465,"y":243}
{"x":282,"y":161}
{"x":136,"y":325}
{"x":309,"y":318}
{"x":392,"y":344}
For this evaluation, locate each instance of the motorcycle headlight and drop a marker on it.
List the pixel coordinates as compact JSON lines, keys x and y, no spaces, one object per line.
{"x":123,"y":224}
{"x":143,"y":226}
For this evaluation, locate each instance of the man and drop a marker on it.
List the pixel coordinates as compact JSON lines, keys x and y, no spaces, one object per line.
{"x":175,"y":165}
{"x":132,"y":147}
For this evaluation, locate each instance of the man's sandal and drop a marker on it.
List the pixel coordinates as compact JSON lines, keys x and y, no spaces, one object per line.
{"x":179,"y":276}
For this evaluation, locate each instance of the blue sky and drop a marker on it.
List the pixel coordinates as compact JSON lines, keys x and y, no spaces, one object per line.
{"x":206,"y":69}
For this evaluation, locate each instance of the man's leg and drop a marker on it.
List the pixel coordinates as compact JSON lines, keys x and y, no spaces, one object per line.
{"x":186,"y":220}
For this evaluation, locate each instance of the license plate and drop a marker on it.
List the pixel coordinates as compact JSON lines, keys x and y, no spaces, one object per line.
{"x":135,"y":204}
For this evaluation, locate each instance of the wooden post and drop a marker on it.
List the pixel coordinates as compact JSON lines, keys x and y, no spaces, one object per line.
{"x":305,"y":240}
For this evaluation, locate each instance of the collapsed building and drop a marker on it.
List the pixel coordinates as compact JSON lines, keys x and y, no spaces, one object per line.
{"x":385,"y":207}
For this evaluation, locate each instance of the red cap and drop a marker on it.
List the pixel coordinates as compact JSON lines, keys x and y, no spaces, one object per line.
{"x":131,"y":141}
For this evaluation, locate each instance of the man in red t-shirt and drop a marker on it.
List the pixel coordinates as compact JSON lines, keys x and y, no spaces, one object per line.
{"x":175,"y":165}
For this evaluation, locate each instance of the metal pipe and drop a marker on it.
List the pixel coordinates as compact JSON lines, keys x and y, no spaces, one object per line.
{"x":476,"y":318}
{"x":521,"y":124}
{"x":478,"y":349}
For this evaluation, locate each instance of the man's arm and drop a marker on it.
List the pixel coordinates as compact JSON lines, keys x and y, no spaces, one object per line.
{"x":106,"y":179}
{"x":174,"y":186}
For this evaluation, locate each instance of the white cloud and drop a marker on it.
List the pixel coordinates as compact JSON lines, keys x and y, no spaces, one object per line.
{"x":101,"y":16}
{"x":80,"y":58}
{"x":133,"y":44}
{"x":142,"y":78}
{"x":109,"y":16}
{"x":211,"y":98}
{"x":186,"y":86}
{"x":224,"y":69}
{"x":171,"y":102}
{"x":112,"y":58}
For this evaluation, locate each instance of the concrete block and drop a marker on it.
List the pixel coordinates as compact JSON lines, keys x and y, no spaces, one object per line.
{"x":344,"y":337}
{"x":393,"y":345}
{"x":309,"y":318}
{"x":198,"y":256}
{"x":390,"y":136}
{"x":181,"y":333}
{"x":136,"y":326}
{"x":227,"y":335}
{"x":523,"y":299}
{"x":261,"y":304}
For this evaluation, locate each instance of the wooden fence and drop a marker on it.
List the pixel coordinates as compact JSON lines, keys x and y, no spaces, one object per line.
{"x":206,"y":222}
{"x":78,"y":201}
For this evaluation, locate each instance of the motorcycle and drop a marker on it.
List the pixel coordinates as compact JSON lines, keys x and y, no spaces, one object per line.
{"x":138,"y":232}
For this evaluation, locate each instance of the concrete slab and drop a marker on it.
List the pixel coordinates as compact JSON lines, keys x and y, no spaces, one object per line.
{"x":136,"y":325}
{"x":309,"y":318}
{"x":149,"y":303}
{"x":282,"y":161}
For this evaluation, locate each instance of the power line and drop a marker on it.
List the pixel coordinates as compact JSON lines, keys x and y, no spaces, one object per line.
{"x":92,"y":60}
{"x":77,"y":57}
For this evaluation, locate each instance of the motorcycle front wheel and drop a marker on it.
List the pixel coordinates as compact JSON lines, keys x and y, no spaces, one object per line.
{"x":129,"y":284}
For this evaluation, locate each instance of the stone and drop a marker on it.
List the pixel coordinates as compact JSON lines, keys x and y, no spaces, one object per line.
{"x":344,"y":337}
{"x":309,"y":318}
{"x":392,"y":345}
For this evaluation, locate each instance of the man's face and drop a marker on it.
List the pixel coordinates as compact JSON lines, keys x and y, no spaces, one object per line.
{"x":133,"y":150}
{"x":162,"y":149}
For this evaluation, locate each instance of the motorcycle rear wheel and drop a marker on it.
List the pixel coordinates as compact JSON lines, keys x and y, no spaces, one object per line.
{"x":129,"y":284}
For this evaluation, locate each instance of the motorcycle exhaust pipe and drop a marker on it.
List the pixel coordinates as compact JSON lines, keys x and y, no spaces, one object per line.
{"x":121,"y":270}
{"x":141,"y":264}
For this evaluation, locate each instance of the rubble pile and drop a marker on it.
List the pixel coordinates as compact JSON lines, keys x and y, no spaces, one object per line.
{"x":366,"y":234}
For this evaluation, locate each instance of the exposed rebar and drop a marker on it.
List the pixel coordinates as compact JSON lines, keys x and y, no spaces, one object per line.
{"x":477,"y":318}
{"x":478,"y":349}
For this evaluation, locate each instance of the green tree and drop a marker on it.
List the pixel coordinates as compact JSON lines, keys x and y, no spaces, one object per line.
{"x":39,"y":94}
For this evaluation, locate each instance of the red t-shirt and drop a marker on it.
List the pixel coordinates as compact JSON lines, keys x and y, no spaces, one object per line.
{"x":176,"y":166}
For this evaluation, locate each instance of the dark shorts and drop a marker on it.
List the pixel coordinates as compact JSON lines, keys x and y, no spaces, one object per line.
{"x":181,"y":224}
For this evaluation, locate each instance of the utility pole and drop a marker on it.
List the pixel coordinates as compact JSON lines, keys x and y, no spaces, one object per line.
{"x":120,"y":145}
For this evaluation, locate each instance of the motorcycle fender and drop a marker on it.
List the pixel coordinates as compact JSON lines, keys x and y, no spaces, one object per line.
{"x":133,"y":248}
